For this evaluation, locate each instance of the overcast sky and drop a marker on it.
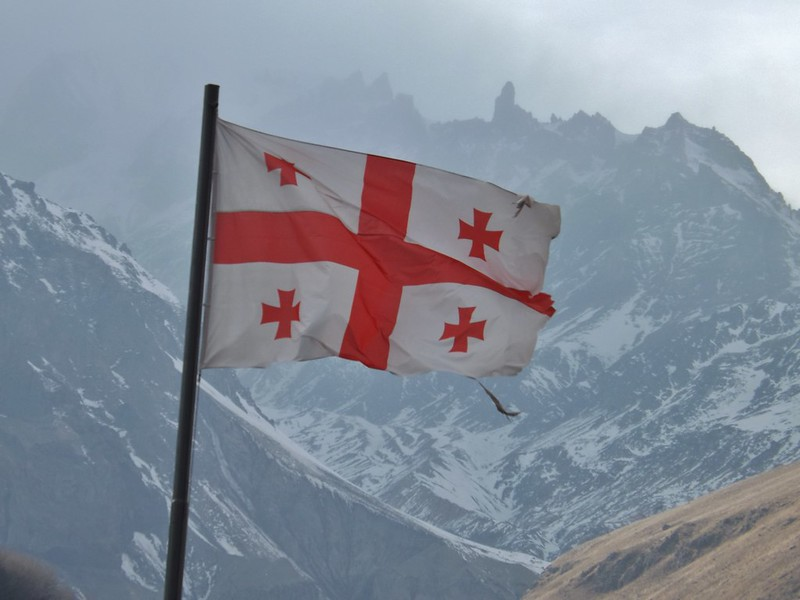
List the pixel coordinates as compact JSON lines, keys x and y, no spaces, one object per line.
{"x":732,"y":64}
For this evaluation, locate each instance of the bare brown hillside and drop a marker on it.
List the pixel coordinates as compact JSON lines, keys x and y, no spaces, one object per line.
{"x":740,"y":542}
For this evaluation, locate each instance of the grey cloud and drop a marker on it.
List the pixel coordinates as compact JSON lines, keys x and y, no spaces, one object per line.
{"x":733,"y":64}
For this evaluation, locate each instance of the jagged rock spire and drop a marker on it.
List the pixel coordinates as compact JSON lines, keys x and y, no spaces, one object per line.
{"x":507,"y":115}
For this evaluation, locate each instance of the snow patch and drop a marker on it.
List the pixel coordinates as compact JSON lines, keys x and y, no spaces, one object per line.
{"x":120,"y":380}
{"x":150,"y":549}
{"x":49,"y":376}
{"x":23,"y":239}
{"x":780,"y":416}
{"x":128,"y":566}
{"x":614,"y":334}
{"x":86,"y":402}
{"x":10,"y":268}
{"x":49,"y":287}
{"x":148,"y":473}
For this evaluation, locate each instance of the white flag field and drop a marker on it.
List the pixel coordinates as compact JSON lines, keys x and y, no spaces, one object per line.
{"x":319,"y":252}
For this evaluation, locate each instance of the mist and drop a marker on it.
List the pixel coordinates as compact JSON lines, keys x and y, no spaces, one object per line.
{"x":91,"y":78}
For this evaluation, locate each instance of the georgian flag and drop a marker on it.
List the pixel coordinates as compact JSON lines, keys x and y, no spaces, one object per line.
{"x":323,"y":252}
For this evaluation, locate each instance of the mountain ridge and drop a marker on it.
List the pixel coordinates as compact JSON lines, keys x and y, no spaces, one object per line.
{"x":675,"y":264}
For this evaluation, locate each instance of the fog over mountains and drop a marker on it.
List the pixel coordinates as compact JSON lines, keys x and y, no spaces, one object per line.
{"x":669,"y":370}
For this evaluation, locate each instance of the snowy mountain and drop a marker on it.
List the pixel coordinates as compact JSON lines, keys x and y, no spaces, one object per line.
{"x":89,"y":371}
{"x":669,"y":370}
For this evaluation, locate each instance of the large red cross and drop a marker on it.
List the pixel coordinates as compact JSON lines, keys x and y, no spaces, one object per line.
{"x":385,"y":261}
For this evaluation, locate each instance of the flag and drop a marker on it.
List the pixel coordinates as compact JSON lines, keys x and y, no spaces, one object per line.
{"x":317,"y":251}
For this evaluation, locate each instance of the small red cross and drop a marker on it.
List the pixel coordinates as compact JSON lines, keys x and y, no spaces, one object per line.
{"x":288,"y":170}
{"x":463,"y":330}
{"x":478,"y":233}
{"x":283,"y":314}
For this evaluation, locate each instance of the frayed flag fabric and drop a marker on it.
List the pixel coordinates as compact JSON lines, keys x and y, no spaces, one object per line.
{"x":317,"y":252}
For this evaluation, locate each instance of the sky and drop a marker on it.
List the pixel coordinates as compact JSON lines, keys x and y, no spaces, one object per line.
{"x":730,"y":64}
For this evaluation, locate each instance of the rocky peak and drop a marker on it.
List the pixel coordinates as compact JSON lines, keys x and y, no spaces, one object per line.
{"x":676,"y":121}
{"x":507,"y":114}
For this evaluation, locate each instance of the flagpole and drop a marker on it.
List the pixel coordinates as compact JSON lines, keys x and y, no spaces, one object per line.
{"x":179,"y":510}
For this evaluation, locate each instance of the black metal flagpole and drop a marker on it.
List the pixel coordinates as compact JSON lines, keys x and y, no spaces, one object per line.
{"x":179,"y":510}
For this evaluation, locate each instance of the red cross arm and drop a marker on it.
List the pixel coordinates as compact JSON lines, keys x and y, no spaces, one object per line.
{"x":288,"y":170}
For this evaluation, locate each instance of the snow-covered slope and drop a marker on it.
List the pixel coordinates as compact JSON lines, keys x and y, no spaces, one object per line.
{"x":89,"y":370}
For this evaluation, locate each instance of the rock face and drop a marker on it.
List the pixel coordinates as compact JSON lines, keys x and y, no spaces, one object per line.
{"x":508,"y":116}
{"x":89,"y":376}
